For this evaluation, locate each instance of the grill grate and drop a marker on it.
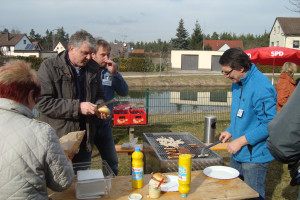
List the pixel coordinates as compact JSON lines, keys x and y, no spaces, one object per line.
{"x":187,"y":138}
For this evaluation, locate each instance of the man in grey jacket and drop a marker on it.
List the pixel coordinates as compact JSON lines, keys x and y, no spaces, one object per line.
{"x":70,"y":92}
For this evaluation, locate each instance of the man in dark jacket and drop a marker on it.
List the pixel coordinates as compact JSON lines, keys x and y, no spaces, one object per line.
{"x":70,"y":92}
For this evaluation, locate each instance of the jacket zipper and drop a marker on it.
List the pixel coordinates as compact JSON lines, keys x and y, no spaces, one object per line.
{"x":264,"y":109}
{"x":241,"y":86}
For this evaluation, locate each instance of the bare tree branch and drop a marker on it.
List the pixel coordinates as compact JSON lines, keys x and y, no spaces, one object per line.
{"x":294,"y":6}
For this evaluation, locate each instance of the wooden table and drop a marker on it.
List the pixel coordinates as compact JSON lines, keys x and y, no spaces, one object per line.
{"x":202,"y":187}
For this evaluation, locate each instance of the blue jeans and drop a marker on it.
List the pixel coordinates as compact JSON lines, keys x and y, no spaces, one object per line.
{"x":105,"y":144}
{"x":254,"y":174}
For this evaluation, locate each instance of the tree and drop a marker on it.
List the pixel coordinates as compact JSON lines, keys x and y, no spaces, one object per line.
{"x":61,"y":35}
{"x":34,"y":37}
{"x":15,"y":31}
{"x":181,"y":41}
{"x":4,"y":31}
{"x":47,"y":40}
{"x":295,"y":5}
{"x":226,"y":36}
{"x":214,"y":36}
{"x":196,"y":39}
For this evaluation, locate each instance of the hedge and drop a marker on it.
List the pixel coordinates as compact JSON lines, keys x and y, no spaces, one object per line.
{"x":35,"y":62}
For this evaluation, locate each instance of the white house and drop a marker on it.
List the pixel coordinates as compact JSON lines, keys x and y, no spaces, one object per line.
{"x":18,"y":45}
{"x":196,"y":60}
{"x":285,"y":32}
{"x":61,"y":46}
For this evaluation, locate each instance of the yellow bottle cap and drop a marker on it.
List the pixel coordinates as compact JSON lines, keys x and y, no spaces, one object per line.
{"x":185,"y":158}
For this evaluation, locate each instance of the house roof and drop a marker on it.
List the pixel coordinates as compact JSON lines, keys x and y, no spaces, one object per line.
{"x":116,"y":49}
{"x":138,"y":51}
{"x":64,"y":43}
{"x":37,"y":44}
{"x":217,"y":44}
{"x":8,"y":39}
{"x":289,"y":25}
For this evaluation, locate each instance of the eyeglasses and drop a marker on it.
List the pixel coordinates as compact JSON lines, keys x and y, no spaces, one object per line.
{"x":226,"y":73}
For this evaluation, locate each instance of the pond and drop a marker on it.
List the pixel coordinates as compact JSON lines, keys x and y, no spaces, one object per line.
{"x":179,"y":100}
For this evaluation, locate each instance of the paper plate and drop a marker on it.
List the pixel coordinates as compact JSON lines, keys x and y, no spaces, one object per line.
{"x":221,"y":172}
{"x":171,"y":186}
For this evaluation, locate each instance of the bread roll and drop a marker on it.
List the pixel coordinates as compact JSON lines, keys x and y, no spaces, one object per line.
{"x":104,"y":110}
{"x":157,"y":177}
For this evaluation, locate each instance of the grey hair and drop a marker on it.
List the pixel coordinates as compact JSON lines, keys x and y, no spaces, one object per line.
{"x":80,"y":37}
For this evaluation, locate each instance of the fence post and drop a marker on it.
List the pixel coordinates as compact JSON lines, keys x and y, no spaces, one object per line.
{"x":209,"y":129}
{"x":147,"y":104}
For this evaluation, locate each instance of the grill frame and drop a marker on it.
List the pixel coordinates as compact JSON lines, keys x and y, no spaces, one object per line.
{"x":156,"y":159}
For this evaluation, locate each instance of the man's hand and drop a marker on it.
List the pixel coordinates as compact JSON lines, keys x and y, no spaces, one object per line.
{"x":103,"y":112}
{"x":225,"y":136}
{"x":112,"y":67}
{"x":237,"y":144}
{"x":102,"y":115}
{"x":87,"y":108}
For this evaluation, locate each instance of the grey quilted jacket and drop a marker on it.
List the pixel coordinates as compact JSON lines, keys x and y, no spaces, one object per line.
{"x":31,"y":158}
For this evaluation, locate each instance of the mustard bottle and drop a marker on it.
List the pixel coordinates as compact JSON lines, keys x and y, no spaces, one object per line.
{"x":137,"y":169}
{"x":184,"y":174}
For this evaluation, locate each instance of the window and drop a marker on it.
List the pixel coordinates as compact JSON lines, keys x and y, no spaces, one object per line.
{"x":24,"y":41}
{"x":278,"y":29}
{"x":277,"y":43}
{"x":272,"y":44}
{"x":274,"y":30}
{"x":295,"y":43}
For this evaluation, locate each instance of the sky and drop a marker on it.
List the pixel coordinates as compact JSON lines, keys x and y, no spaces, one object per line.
{"x":142,"y":20}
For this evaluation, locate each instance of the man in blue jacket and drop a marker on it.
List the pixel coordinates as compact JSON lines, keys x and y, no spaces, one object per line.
{"x":112,"y":81}
{"x":253,"y":107}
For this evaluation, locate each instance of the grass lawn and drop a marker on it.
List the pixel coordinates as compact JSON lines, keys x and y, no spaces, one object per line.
{"x":277,"y":184}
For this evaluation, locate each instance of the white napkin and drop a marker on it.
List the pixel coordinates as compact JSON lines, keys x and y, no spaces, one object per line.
{"x":83,"y":175}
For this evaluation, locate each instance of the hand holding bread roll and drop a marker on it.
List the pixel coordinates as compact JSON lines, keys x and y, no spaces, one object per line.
{"x":104,"y":110}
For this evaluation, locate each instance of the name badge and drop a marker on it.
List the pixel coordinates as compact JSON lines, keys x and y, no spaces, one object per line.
{"x":106,"y":82}
{"x":240,"y":113}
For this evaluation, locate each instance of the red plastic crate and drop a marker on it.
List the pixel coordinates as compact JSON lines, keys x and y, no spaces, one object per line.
{"x":137,"y":116}
{"x":121,"y":117}
{"x":122,"y":107}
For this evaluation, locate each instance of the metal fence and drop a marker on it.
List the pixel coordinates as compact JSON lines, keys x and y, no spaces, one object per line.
{"x":174,"y":106}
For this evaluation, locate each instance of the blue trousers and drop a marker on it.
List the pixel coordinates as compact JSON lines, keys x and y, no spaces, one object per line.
{"x":105,"y":144}
{"x":254,"y":174}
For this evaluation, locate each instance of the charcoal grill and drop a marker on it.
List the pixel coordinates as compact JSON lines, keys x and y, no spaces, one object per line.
{"x":156,"y":158}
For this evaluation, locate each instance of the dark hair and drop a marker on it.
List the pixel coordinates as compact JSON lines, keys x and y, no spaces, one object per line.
{"x":235,"y":58}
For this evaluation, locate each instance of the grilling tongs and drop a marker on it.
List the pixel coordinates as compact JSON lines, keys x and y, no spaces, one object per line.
{"x":203,"y":155}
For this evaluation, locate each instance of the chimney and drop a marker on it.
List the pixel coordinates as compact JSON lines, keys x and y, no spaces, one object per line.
{"x":7,"y":36}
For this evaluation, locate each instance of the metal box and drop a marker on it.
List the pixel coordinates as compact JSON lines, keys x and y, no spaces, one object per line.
{"x":156,"y":158}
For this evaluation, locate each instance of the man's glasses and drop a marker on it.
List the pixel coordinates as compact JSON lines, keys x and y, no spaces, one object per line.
{"x":226,"y":73}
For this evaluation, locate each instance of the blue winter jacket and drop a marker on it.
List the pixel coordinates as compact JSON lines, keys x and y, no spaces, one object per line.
{"x":255,"y":98}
